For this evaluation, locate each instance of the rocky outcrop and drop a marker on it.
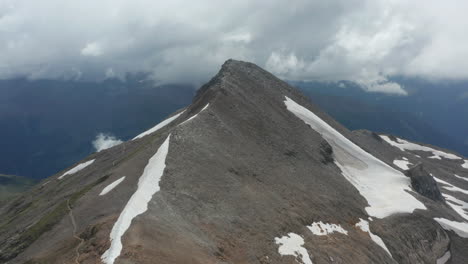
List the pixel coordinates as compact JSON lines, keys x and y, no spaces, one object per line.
{"x":327,"y":152}
{"x":423,"y":183}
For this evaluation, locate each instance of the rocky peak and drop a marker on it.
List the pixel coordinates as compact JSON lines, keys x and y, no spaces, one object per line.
{"x":250,"y":172}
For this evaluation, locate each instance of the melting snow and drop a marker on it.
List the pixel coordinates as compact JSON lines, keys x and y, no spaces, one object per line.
{"x":385,"y":188}
{"x":192,"y":117}
{"x":323,"y":229}
{"x":406,"y":145}
{"x":458,"y":205}
{"x":292,"y":245}
{"x":159,"y":126}
{"x":444,"y":258}
{"x":111,"y":186}
{"x":450,"y":187}
{"x":364,"y":226}
{"x":459,"y":228}
{"x":465,"y":165}
{"x":402,"y":164}
{"x":460,"y":177}
{"x":77,"y":168}
{"x":148,"y":185}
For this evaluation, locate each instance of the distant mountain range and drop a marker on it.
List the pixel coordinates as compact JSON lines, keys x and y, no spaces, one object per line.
{"x":432,"y":112}
{"x":47,"y":125}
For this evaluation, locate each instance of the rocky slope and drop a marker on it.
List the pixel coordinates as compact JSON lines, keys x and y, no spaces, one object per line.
{"x":250,"y":172}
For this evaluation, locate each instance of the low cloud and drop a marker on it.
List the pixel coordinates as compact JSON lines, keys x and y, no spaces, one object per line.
{"x":105,"y":141}
{"x":92,"y":49}
{"x":366,"y":41}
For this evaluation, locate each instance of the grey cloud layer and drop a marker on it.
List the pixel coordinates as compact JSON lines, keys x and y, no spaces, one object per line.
{"x":180,"y":41}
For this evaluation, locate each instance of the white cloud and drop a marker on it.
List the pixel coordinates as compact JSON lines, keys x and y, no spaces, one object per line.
{"x":92,"y":49}
{"x":245,"y":37}
{"x":105,"y":141}
{"x":284,"y":64}
{"x":359,"y":40}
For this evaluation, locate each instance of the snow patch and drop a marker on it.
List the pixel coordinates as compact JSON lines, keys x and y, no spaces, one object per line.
{"x":111,"y":186}
{"x":104,"y":141}
{"x":444,"y":258}
{"x":158,"y":126}
{"x":292,"y":245}
{"x":192,"y":117}
{"x":323,"y":229}
{"x":77,"y":168}
{"x":406,"y":145}
{"x":460,"y":177}
{"x":465,"y":165}
{"x":148,"y":185}
{"x":364,"y":226}
{"x":459,"y":228}
{"x":450,"y":187}
{"x":458,"y":205}
{"x":385,"y":188}
{"x":402,"y":164}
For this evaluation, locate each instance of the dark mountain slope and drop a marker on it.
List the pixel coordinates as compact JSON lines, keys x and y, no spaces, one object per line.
{"x":250,"y":172}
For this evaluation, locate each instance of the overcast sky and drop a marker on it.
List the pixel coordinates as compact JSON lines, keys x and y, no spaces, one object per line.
{"x":187,"y":41}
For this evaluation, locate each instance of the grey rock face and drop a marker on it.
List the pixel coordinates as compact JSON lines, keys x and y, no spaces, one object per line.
{"x":241,"y":170}
{"x":327,"y":152}
{"x":424,"y":183}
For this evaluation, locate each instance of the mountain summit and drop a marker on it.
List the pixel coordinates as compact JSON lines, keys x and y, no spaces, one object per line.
{"x":250,"y":172}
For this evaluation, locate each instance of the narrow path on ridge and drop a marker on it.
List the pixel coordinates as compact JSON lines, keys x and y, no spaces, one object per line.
{"x":74,"y":232}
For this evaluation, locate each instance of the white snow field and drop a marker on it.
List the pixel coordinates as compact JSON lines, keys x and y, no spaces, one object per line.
{"x":292,"y":245}
{"x":192,"y":117}
{"x":460,"y":228}
{"x":444,"y":258}
{"x":465,"y":165}
{"x":148,"y":185}
{"x":323,"y":229}
{"x":450,"y":187}
{"x":404,"y":145}
{"x":111,"y":186}
{"x":402,"y":164}
{"x":458,"y":205}
{"x":460,"y":177}
{"x":159,"y":126}
{"x":364,"y":226}
{"x":385,"y":188}
{"x":77,"y":168}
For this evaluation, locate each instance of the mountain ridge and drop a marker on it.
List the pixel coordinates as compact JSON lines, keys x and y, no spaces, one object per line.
{"x":251,"y":172}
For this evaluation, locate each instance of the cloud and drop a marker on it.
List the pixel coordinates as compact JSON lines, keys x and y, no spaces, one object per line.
{"x":105,"y":141}
{"x":365,"y":41}
{"x":92,"y":49}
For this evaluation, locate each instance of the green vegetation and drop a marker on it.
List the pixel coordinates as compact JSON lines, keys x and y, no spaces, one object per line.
{"x":11,"y":185}
{"x":48,"y":220}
